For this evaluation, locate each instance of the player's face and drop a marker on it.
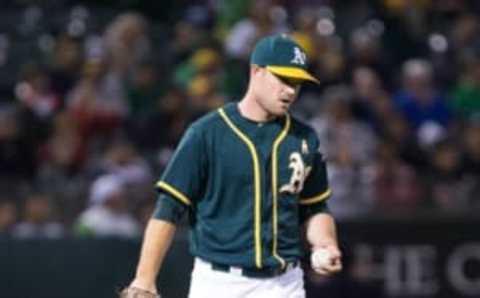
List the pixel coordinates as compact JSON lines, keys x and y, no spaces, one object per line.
{"x":275,"y":93}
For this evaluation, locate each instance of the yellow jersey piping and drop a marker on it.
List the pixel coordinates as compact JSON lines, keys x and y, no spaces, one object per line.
{"x":276,"y":144}
{"x":257,"y":187}
{"x":323,"y":196}
{"x":174,"y":192}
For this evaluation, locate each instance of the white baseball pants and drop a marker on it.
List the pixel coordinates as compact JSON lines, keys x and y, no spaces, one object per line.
{"x":209,"y":283}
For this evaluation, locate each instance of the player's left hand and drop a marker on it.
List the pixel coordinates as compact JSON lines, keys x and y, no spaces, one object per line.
{"x":328,"y":261}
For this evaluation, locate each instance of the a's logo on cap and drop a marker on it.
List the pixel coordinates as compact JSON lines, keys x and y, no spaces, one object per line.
{"x":300,"y":57}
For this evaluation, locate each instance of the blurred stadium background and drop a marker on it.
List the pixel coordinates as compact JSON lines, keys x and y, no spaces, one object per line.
{"x":94,"y":96}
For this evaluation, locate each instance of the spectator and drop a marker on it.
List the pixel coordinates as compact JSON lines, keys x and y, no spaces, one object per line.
{"x":464,"y":32}
{"x":352,"y":196}
{"x":35,"y":93}
{"x":228,"y":13}
{"x":348,"y":145}
{"x":372,"y":103}
{"x":471,"y":160}
{"x":188,"y":36}
{"x":204,"y":95}
{"x":95,"y":106}
{"x":419,"y":101}
{"x":37,"y":219}
{"x":323,"y":50}
{"x":261,"y":21}
{"x":471,"y":146}
{"x":448,"y":187}
{"x":170,"y":117}
{"x":126,"y":43}
{"x":61,"y":171}
{"x":398,"y":132}
{"x":122,"y":160}
{"x":63,"y":71}
{"x":144,"y":91}
{"x":466,"y":92}
{"x":396,"y":188}
{"x":8,"y":216}
{"x":17,"y":152}
{"x":204,"y":61}
{"x":107,"y":215}
{"x":366,"y":50}
{"x":336,"y":126}
{"x":305,"y":32}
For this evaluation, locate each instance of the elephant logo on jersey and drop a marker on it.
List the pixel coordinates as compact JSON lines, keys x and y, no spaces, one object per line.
{"x":299,"y":174}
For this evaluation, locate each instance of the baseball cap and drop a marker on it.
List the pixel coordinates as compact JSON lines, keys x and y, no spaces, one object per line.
{"x":283,"y":57}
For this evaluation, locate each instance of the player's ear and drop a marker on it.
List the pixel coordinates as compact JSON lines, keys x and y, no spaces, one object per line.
{"x":255,"y":69}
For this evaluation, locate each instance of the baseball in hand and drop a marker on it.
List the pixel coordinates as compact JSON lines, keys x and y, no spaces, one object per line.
{"x":321,"y":258}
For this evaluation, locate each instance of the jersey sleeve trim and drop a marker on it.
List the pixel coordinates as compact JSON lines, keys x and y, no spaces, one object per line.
{"x":323,"y":196}
{"x":174,"y":192}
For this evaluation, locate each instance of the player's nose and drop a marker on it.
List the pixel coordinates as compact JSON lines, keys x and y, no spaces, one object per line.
{"x":290,"y":89}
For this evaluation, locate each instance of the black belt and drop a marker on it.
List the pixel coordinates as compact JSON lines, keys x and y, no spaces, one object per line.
{"x":256,"y":272}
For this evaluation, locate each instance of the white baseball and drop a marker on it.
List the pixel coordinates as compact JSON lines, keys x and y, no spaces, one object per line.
{"x":320,"y":258}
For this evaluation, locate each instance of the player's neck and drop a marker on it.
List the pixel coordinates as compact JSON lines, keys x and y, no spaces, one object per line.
{"x":250,"y":108}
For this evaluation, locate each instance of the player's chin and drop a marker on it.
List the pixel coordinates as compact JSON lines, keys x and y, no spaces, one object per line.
{"x":281,"y":109}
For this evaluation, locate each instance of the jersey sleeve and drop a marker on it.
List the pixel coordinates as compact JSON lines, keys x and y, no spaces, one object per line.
{"x":316,"y":190}
{"x":169,"y":209}
{"x":184,"y":175}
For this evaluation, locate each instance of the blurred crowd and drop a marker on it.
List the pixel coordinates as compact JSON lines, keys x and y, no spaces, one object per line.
{"x":94,"y":101}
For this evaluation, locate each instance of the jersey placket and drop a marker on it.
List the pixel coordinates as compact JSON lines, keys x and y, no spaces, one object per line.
{"x":260,"y":159}
{"x":268,"y":140}
{"x":274,"y":164}
{"x":257,"y":187}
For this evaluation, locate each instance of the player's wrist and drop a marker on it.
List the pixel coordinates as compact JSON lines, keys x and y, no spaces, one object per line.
{"x":324,"y":244}
{"x":135,"y":292}
{"x":144,"y":285}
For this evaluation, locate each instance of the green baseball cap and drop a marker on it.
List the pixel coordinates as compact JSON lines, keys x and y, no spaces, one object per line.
{"x":283,"y":57}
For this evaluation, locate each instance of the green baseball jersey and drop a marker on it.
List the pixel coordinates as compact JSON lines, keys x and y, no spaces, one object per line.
{"x":248,"y":187}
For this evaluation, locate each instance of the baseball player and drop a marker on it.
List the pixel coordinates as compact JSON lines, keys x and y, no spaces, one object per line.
{"x":250,"y":176}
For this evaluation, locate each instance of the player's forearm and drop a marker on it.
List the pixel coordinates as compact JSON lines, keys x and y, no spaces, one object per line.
{"x":321,"y":230}
{"x":157,"y":240}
